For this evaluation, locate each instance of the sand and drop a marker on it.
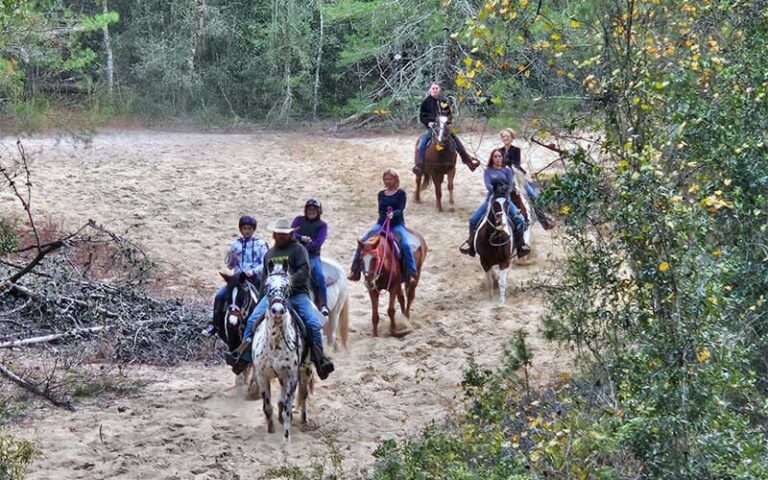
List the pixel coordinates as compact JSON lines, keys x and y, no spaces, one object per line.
{"x":179,"y":195}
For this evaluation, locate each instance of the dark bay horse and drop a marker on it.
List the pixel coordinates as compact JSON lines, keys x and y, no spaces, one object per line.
{"x":382,"y":271}
{"x":493,"y":244}
{"x":439,"y":161}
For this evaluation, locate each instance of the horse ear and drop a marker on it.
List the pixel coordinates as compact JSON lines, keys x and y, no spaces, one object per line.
{"x":270,"y":266}
{"x":225,"y":276}
{"x":285,"y":266}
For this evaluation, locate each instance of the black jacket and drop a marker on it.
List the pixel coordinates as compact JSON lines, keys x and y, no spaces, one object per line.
{"x":298,"y":265}
{"x":512,"y":158}
{"x":432,"y":107}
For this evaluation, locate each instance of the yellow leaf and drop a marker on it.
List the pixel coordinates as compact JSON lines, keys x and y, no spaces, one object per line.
{"x":555,"y":36}
{"x":565,"y":209}
{"x":703,"y":355}
{"x":467,"y":61}
{"x":727,"y":182}
{"x":575,"y":23}
{"x":663,"y":266}
{"x":717,"y":252}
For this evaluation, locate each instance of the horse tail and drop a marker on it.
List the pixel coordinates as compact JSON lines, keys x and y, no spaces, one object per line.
{"x":344,"y":324}
{"x":425,"y":180}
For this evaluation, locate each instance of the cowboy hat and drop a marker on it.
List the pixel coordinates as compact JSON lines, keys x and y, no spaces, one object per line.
{"x":282,"y":225}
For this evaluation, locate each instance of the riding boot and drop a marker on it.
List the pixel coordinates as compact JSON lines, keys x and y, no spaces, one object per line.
{"x":469,"y":246}
{"x":323,"y":364}
{"x":234,"y":360}
{"x":547,"y":223}
{"x":418,"y":162}
{"x":354,"y":271}
{"x":466,"y":158}
{"x":522,"y":248}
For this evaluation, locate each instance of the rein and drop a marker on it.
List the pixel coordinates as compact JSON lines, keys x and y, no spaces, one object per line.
{"x":380,"y":268}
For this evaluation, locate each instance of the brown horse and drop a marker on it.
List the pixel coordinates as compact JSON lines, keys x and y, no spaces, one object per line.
{"x":493,"y":244}
{"x":382,"y":272}
{"x":439,"y":161}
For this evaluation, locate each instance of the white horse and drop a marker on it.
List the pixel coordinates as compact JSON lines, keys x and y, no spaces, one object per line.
{"x":279,"y":352}
{"x":337,"y":326}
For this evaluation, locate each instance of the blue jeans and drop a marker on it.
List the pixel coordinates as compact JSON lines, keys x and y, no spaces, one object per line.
{"x":514,"y":214}
{"x":303,"y":306}
{"x":319,"y":276}
{"x":423,"y":142}
{"x":405,"y":247}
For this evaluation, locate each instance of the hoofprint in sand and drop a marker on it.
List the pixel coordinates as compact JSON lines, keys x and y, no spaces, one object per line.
{"x":181,"y":194}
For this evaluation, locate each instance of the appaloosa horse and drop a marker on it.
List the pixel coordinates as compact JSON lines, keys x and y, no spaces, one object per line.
{"x":382,"y":271}
{"x":439,"y":161}
{"x":280,"y":351}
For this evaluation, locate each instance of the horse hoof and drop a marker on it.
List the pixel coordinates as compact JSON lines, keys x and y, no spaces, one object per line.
{"x":400,"y":333}
{"x":271,"y":428}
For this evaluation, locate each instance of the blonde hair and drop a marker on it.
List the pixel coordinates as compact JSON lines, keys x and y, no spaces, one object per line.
{"x":509,"y":131}
{"x":392,"y":172}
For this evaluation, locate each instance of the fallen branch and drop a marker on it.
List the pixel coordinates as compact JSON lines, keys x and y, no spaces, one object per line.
{"x":27,"y":385}
{"x":52,"y":337}
{"x":61,"y":298}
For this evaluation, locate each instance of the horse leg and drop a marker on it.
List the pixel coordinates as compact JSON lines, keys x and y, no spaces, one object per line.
{"x":374,"y":311}
{"x":489,"y":281}
{"x":250,"y":383}
{"x":391,"y":311}
{"x":418,"y":188}
{"x":266,"y":397}
{"x":304,"y":379}
{"x":503,"y":284}
{"x":437,"y":178}
{"x":289,"y":387}
{"x":401,"y":301}
{"x":451,"y":175}
{"x":410,"y":291}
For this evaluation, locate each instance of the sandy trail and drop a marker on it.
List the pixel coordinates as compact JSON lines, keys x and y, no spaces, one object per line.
{"x":181,"y":194}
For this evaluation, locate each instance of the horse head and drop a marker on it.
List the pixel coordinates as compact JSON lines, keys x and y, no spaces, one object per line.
{"x":277,"y":288}
{"x":440,"y":132}
{"x":372,"y":254}
{"x":501,"y":219}
{"x":243,"y":297}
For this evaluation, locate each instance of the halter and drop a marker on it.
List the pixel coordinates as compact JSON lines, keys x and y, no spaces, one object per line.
{"x":503,"y":226}
{"x":385,"y":227}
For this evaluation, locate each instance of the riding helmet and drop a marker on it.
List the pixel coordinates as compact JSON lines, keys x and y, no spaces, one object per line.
{"x":314,"y":202}
{"x":247,"y":220}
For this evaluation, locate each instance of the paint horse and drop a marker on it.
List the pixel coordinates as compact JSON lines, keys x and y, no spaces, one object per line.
{"x":494,"y":243}
{"x":383,"y":272}
{"x":230,"y":317}
{"x":280,"y":351}
{"x":439,"y":161}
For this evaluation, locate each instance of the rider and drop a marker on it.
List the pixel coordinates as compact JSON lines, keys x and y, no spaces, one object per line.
{"x":244,"y":257}
{"x":288,"y":248}
{"x":497,"y":173}
{"x":312,"y":232}
{"x":512,"y":159}
{"x":392,"y":202}
{"x":432,"y":107}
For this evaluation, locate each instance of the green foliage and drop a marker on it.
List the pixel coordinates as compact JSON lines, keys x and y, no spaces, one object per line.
{"x":15,"y":456}
{"x":9,"y":241}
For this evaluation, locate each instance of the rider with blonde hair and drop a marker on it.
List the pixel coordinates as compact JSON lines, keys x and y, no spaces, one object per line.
{"x":392,"y":201}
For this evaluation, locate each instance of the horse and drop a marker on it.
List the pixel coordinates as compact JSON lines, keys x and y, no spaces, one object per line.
{"x":382,"y":272}
{"x":229,"y":323}
{"x":439,"y":161}
{"x":337,"y":326}
{"x":493,"y":244}
{"x":280,"y":351}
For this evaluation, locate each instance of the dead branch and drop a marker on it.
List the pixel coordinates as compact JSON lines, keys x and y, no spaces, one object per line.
{"x":30,"y":386}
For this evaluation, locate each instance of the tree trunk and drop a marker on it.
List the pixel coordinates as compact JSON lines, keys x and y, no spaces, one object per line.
{"x":110,"y":69}
{"x":318,"y":61}
{"x":198,"y":33}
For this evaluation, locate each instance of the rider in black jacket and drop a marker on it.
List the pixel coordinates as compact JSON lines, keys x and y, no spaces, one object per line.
{"x":433,"y":106}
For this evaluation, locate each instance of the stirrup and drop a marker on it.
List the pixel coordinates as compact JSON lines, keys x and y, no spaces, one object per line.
{"x":465,"y":248}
